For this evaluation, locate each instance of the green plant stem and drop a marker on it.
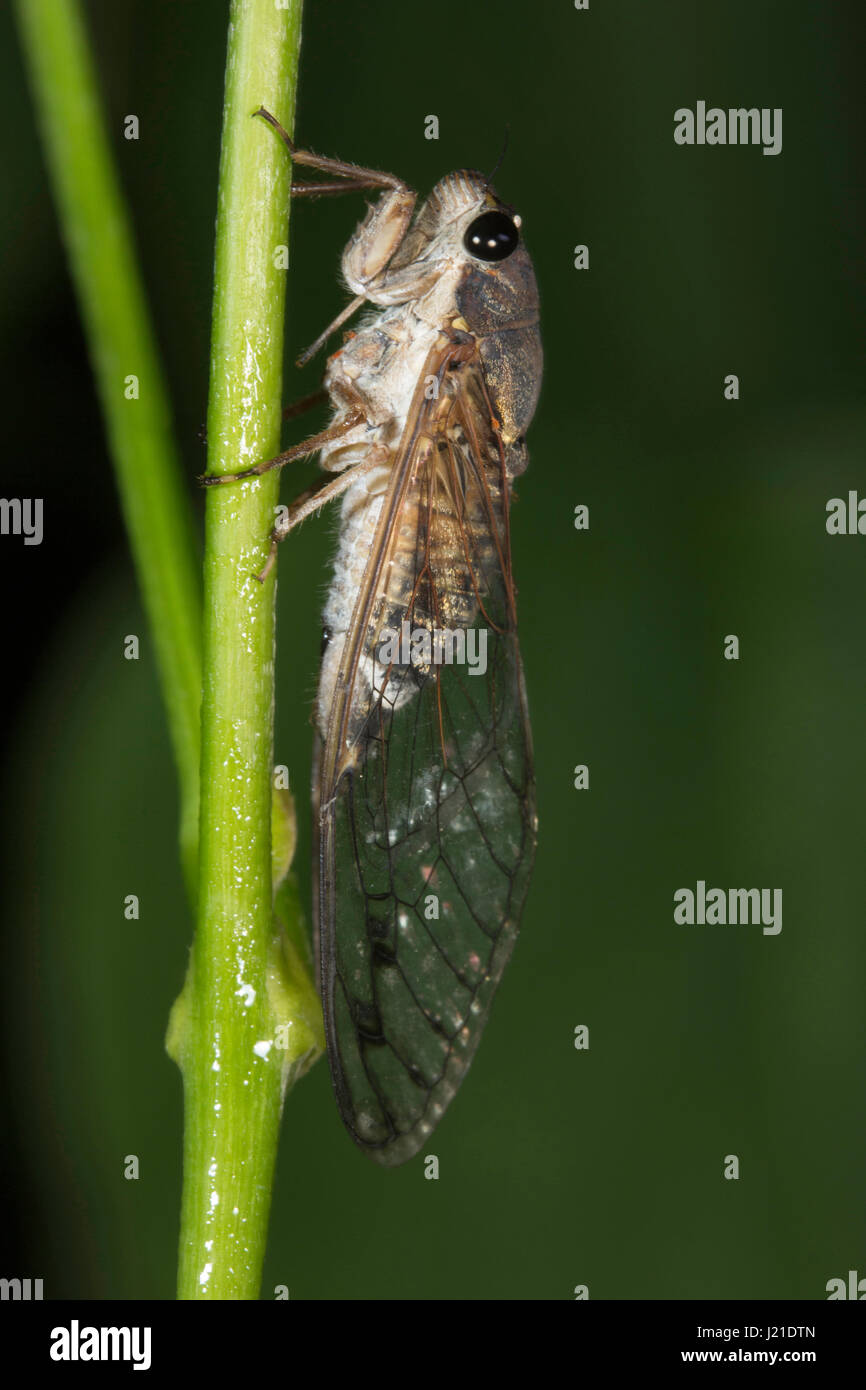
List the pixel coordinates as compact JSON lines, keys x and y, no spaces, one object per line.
{"x":122,"y":345}
{"x":234,"y":1075}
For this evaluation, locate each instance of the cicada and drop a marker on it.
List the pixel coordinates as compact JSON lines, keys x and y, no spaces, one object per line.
{"x":423,"y":797}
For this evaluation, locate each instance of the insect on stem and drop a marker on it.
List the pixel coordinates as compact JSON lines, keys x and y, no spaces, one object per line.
{"x":423,"y":806}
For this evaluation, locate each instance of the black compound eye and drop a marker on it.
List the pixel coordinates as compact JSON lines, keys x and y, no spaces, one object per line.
{"x":492,"y":236}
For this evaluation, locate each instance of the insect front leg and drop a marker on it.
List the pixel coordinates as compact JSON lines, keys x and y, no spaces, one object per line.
{"x":350,"y":176}
{"x":367,"y":255}
{"x":378,"y":236}
{"x":376,"y":239}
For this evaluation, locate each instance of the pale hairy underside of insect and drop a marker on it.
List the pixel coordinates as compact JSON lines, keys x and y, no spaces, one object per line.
{"x":423,"y":795}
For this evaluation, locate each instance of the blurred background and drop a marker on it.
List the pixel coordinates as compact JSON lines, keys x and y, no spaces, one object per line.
{"x":707,"y":517}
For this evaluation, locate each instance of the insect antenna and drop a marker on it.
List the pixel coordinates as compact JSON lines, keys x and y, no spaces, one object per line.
{"x":488,"y":181}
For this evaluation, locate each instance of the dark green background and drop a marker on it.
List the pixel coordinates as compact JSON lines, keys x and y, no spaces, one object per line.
{"x":558,"y":1167}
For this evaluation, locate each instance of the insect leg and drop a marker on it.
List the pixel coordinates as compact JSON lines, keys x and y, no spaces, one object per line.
{"x":305,"y":403}
{"x":331,"y":328}
{"x":297,"y":451}
{"x":325,"y":190}
{"x":318,"y":496}
{"x":366,"y":258}
{"x":362,"y":178}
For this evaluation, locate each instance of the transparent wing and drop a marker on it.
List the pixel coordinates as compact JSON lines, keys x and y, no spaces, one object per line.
{"x":427,"y":821}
